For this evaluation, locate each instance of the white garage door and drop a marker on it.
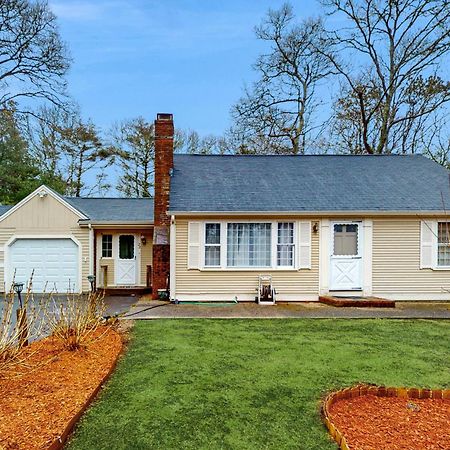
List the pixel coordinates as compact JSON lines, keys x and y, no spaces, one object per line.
{"x":55,"y":263}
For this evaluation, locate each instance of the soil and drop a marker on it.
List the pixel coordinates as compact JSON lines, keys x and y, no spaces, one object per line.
{"x":39,"y":398}
{"x":389,"y":423}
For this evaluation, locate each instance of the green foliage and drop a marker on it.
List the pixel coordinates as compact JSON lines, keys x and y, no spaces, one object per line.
{"x":19,"y":174}
{"x":252,"y":384}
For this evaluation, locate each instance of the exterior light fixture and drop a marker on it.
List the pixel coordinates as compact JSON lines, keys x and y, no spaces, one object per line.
{"x":143,"y":239}
{"x":91,"y":279}
{"x":315,"y":227}
{"x":18,"y":288}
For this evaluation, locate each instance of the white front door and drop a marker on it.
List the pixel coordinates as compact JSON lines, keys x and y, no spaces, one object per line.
{"x":126,"y":260}
{"x":346,"y":256}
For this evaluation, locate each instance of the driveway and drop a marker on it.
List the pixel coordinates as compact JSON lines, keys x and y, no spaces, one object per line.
{"x":115,"y":305}
{"x":403,"y":310}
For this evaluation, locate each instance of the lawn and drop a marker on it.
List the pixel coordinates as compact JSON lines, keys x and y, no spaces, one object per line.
{"x":253,"y":384}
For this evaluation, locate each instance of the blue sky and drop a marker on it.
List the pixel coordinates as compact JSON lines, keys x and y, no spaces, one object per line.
{"x":136,"y":58}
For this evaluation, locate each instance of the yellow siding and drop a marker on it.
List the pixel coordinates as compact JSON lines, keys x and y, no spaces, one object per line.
{"x":43,"y":214}
{"x":146,"y":256}
{"x":82,"y":236}
{"x":229,"y":283}
{"x":396,"y":260}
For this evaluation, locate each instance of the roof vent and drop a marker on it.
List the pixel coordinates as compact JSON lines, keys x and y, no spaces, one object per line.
{"x":164,"y":116}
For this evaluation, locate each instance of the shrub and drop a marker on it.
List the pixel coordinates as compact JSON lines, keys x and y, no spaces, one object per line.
{"x":75,"y":319}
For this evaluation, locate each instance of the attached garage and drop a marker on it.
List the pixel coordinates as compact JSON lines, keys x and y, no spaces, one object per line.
{"x":55,"y":263}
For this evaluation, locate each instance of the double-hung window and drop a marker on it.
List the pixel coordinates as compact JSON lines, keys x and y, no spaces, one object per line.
{"x":285,"y":244}
{"x":249,"y":244}
{"x":107,"y":246}
{"x":443,"y":239}
{"x":212,"y":245}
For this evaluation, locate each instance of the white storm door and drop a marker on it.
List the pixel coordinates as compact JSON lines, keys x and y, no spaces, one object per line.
{"x":126,"y":260}
{"x":346,"y":256}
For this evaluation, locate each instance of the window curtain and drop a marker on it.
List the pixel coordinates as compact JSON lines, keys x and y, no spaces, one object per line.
{"x":248,"y":244}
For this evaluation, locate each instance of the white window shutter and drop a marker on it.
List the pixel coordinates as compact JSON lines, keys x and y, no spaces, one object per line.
{"x":194,"y":236}
{"x":304,"y":245}
{"x":428,"y":240}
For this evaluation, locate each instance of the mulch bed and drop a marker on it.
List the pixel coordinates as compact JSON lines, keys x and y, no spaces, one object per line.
{"x":370,"y":422}
{"x":39,"y":398}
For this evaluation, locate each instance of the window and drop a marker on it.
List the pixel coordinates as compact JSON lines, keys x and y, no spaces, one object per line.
{"x":249,"y":244}
{"x":285,"y":244}
{"x":212,"y":244}
{"x":345,"y":240}
{"x":443,"y":244}
{"x":126,"y":246}
{"x":107,"y":246}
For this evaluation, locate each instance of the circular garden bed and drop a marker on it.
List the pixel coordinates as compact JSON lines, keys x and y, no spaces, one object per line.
{"x":371,"y":417}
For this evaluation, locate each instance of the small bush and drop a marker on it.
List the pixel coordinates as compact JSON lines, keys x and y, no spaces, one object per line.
{"x":74,"y":320}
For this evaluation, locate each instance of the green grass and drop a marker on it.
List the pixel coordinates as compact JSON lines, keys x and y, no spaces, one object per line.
{"x":253,"y":384}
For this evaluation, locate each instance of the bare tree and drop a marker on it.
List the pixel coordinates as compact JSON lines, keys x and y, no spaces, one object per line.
{"x":276,"y":113}
{"x":401,"y":47}
{"x":134,"y":148}
{"x":33,"y":59}
{"x":191,"y":142}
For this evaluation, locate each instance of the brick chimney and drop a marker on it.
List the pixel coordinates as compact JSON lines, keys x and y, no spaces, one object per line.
{"x":164,"y":131}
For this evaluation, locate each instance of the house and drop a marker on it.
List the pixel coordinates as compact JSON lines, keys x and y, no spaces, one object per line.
{"x":317,"y":224}
{"x":359,"y":225}
{"x":64,"y":240}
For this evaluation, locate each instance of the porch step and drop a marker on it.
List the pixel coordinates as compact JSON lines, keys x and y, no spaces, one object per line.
{"x":358,"y":302}
{"x":132,"y":290}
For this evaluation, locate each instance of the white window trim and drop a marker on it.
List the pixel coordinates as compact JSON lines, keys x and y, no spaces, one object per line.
{"x":204,"y":245}
{"x":223,"y":247}
{"x":436,"y":265}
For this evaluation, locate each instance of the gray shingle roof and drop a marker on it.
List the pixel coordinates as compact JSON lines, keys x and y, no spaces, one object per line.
{"x":308,"y":183}
{"x":4,"y":208}
{"x":114,"y":209}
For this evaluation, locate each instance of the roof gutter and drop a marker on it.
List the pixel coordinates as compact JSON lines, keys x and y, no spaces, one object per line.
{"x":316,"y":213}
{"x":115,"y":224}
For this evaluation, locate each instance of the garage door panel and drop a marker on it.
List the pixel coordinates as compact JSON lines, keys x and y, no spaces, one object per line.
{"x":55,"y":263}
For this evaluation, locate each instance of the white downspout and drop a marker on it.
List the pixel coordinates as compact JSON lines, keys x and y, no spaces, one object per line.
{"x":173,"y":239}
{"x":91,"y":251}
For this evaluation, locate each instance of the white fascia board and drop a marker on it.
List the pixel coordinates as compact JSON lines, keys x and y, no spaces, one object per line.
{"x":107,"y":224}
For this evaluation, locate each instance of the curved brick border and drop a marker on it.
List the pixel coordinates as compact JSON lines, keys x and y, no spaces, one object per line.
{"x":379,"y":391}
{"x":60,"y":441}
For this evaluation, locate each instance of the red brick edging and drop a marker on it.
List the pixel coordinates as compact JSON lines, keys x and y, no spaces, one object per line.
{"x":379,"y":391}
{"x":59,"y":442}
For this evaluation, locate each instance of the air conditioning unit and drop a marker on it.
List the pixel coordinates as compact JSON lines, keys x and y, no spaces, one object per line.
{"x":266,"y":291}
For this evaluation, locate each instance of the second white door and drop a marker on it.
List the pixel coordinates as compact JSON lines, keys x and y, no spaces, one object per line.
{"x":346,"y":256}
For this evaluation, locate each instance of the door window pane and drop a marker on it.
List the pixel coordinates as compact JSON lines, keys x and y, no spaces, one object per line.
{"x":126,"y":247}
{"x":345,"y":240}
{"x":249,"y":244}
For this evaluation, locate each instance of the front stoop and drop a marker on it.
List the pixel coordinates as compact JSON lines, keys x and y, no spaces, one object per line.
{"x":358,"y":302}
{"x":125,"y":291}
